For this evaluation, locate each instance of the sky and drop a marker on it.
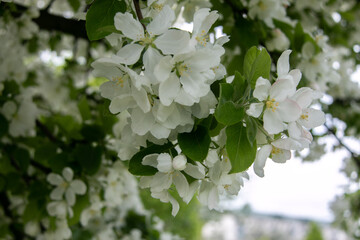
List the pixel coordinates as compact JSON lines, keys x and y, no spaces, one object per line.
{"x":295,"y":188}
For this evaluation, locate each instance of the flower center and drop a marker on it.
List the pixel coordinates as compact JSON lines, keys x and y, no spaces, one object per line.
{"x":64,"y":184}
{"x":272,"y":104}
{"x":146,"y":39}
{"x":276,"y":150}
{"x":158,"y":7}
{"x":262,"y":5}
{"x":202,"y":38}
{"x":226,"y":186}
{"x":181,"y":68}
{"x":304,"y":116}
{"x":118,"y":81}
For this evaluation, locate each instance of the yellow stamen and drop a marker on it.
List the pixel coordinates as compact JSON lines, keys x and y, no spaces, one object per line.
{"x":276,"y":150}
{"x":119,"y":81}
{"x":182,"y":68}
{"x":304,"y":116}
{"x":202,"y":38}
{"x":146,"y":39}
{"x":272,"y":104}
{"x":157,"y":7}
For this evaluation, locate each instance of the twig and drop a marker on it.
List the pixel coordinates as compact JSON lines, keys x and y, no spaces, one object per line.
{"x":354,"y":156}
{"x":138,"y":12}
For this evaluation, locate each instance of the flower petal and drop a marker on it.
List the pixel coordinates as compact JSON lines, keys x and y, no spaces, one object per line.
{"x":194,"y":171}
{"x":141,"y":98}
{"x":283,"y":63}
{"x":54,"y":179}
{"x":262,"y":87}
{"x":173,"y":42}
{"x":281,"y":89}
{"x":296,"y":75}
{"x":273,"y":123}
{"x":129,"y":54}
{"x":121,"y":103}
{"x":281,"y":156}
{"x":181,"y":184}
{"x":311,"y":118}
{"x":130,"y":27}
{"x":78,"y":187}
{"x":260,"y":160}
{"x":164,"y":163}
{"x":150,"y":160}
{"x":287,"y":144}
{"x":162,"y":21}
{"x":70,"y":196}
{"x":68,"y":174}
{"x":57,"y":193}
{"x":289,"y":110}
{"x":169,"y":90}
{"x":255,"y":109}
{"x":159,"y":131}
{"x":141,"y":122}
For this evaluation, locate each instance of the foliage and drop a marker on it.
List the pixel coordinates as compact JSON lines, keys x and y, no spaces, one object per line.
{"x":83,"y":114}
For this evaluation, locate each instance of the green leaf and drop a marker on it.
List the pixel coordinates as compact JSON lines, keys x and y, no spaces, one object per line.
{"x":34,"y":211}
{"x":92,"y":133}
{"x":84,"y":109}
{"x":45,"y":152}
{"x":15,"y":183}
{"x":135,"y":165}
{"x":22,"y":158}
{"x":251,"y":129}
{"x":257,"y":64}
{"x":75,"y":4}
{"x":260,"y":68}
{"x":239,"y":85}
{"x":81,"y":203}
{"x":299,"y":37}
{"x":227,"y":112}
{"x":195,"y":144}
{"x":240,"y":151}
{"x":100,"y":18}
{"x":5,"y":165}
{"x":89,"y":157}
{"x":69,"y":126}
{"x":58,"y":162}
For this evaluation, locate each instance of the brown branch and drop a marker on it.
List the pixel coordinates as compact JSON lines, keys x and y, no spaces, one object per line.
{"x":138,"y":12}
{"x":49,"y":22}
{"x":354,"y":156}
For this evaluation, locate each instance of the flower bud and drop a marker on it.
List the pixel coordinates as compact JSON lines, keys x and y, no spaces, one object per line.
{"x":179,"y":162}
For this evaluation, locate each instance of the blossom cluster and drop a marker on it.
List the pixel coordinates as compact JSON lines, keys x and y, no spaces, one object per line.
{"x":171,"y":86}
{"x":282,"y":108}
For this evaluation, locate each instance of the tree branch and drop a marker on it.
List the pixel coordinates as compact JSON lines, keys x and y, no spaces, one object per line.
{"x":354,"y":156}
{"x":138,"y":12}
{"x":49,"y":22}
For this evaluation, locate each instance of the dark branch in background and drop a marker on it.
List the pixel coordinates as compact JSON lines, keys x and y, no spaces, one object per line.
{"x":49,"y":22}
{"x":5,"y":203}
{"x":138,"y":12}
{"x":354,"y":156}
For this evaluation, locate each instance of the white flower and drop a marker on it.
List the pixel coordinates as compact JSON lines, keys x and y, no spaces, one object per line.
{"x":185,"y":78}
{"x":60,"y":209}
{"x":67,"y":185}
{"x":169,"y":172}
{"x":309,"y":118}
{"x":278,"y":151}
{"x":203,"y":20}
{"x":279,"y":41}
{"x":266,"y":10}
{"x":278,"y":107}
{"x":170,"y":41}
